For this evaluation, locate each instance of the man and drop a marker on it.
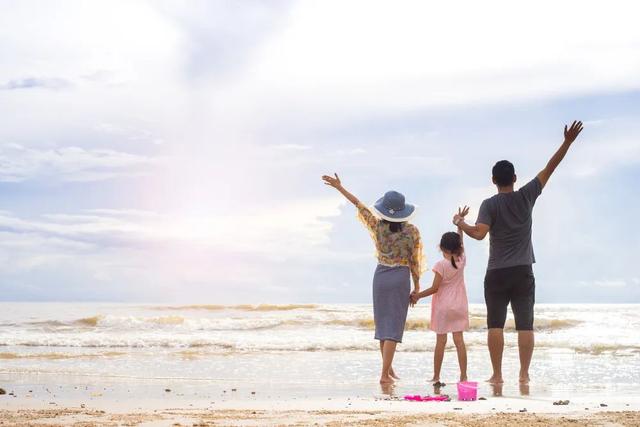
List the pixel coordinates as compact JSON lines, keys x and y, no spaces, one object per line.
{"x":509,"y":279}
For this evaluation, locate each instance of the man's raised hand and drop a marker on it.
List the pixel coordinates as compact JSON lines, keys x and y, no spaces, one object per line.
{"x":572,"y":133}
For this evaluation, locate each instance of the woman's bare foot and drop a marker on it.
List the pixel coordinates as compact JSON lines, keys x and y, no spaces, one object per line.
{"x":495,"y":379}
{"x":386,"y":379}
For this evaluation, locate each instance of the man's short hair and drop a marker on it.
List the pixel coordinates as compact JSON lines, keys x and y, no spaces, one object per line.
{"x":503,"y":173}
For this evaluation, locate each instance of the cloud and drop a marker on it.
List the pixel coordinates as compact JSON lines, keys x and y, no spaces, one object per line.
{"x":291,"y":147}
{"x":35,"y":82}
{"x":19,"y":163}
{"x":223,"y":116}
{"x":220,"y":37}
{"x":310,"y":76}
{"x":146,"y":255}
{"x":286,"y":230}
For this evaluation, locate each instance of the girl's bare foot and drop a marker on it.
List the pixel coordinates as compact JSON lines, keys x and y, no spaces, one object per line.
{"x":495,"y":379}
{"x":463,"y":378}
{"x":393,"y":375}
{"x":386,"y":379}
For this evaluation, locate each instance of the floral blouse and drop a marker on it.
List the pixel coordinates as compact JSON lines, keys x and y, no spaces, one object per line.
{"x":401,"y":248}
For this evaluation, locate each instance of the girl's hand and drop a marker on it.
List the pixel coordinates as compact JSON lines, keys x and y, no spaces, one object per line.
{"x":331,"y":181}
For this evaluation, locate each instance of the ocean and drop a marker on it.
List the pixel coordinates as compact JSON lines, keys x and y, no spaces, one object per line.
{"x":298,"y":350}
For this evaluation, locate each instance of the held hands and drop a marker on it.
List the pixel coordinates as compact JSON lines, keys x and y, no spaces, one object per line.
{"x":462,"y":212}
{"x":331,"y":181}
{"x":572,"y":133}
{"x":413,"y":298}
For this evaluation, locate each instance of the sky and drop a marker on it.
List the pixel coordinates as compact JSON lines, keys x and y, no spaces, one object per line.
{"x":172,"y":151}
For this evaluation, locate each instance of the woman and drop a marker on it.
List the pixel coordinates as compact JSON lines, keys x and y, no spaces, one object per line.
{"x":399,"y":253}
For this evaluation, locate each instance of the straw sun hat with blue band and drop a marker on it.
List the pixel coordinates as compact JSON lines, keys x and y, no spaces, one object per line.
{"x":393,"y":208}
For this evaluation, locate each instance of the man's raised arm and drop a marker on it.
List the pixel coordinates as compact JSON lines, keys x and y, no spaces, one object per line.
{"x":478,"y":231}
{"x":570,"y":135}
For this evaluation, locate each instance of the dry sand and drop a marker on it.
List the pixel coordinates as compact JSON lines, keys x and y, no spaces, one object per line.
{"x":183,"y":417}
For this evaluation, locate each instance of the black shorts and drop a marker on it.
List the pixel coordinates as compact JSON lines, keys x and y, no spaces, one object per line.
{"x":515,"y":285}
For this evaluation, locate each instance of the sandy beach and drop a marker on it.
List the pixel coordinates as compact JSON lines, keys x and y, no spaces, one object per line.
{"x":356,"y":412}
{"x":148,"y":365}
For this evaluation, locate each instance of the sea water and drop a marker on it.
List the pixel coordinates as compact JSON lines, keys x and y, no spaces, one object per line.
{"x":302,"y":350}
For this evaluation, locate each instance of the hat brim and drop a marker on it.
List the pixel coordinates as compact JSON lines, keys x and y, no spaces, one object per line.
{"x":399,"y":216}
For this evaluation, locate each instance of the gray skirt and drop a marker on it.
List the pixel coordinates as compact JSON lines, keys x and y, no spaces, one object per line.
{"x":391,"y":290}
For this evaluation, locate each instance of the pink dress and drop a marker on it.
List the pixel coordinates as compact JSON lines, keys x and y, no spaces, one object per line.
{"x":449,"y":306}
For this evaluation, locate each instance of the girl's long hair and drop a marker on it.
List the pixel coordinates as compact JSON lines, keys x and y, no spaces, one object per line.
{"x":452,"y":242}
{"x":394,"y":227}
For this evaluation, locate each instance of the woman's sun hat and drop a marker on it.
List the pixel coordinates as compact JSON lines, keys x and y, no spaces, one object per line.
{"x":393,"y":208}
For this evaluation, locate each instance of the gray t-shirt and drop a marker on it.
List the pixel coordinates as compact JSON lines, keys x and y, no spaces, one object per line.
{"x":508,"y":216}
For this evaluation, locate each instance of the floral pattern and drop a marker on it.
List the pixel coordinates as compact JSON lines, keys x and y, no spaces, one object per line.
{"x":393,"y":249}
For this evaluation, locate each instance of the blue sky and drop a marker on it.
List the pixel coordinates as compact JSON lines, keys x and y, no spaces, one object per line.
{"x":172,"y":151}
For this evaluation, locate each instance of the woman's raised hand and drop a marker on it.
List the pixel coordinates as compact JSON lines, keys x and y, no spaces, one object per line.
{"x":333,"y":182}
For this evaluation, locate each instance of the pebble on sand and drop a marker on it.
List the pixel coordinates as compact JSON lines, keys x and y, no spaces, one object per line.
{"x":168,"y":390}
{"x":2,"y":391}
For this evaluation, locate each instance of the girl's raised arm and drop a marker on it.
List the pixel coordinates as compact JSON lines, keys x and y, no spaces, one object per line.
{"x":462,"y":212}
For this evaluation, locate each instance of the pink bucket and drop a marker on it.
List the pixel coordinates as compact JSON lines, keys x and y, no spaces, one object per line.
{"x":467,"y":390}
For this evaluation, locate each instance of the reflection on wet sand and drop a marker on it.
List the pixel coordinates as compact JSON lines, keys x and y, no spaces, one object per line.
{"x":388,"y":389}
{"x":496,"y":389}
{"x":437,"y":388}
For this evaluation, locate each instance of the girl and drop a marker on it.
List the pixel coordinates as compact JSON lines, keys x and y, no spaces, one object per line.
{"x":399,"y":253}
{"x":449,"y":305}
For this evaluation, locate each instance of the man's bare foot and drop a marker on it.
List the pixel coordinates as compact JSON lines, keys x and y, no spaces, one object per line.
{"x":386,"y":379}
{"x":495,"y":379}
{"x":524,"y":379}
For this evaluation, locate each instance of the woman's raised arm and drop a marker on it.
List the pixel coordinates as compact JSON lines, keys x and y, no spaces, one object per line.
{"x":364,"y":214}
{"x":337,"y":184}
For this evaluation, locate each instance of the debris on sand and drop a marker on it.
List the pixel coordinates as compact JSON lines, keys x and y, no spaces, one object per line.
{"x":2,"y":391}
{"x":561,"y":402}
